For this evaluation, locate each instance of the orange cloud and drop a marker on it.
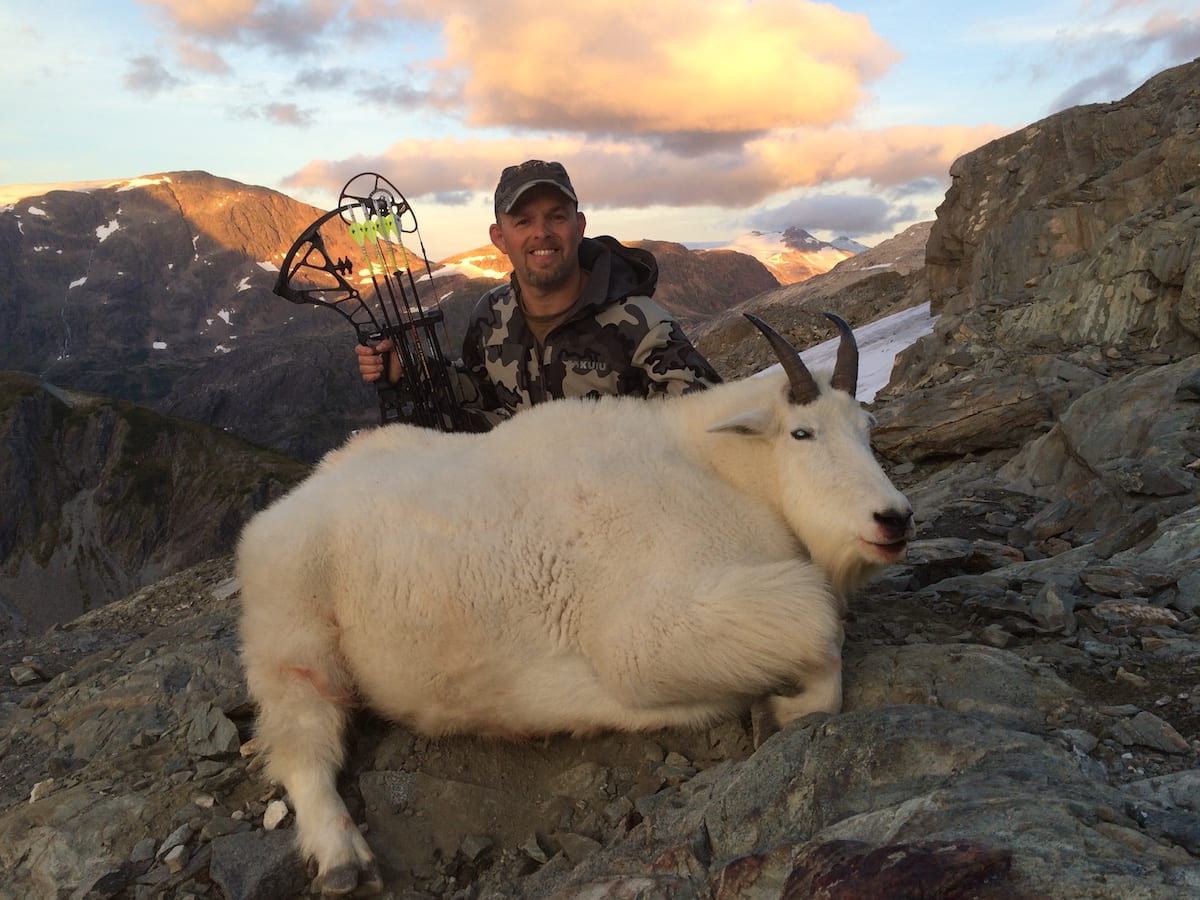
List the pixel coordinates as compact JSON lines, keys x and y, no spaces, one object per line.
{"x":637,"y":174}
{"x":296,"y":28}
{"x":889,"y":156}
{"x":674,"y":66}
{"x":213,"y":17}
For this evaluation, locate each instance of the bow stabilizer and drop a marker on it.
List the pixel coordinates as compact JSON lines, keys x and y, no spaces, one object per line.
{"x":378,"y":217}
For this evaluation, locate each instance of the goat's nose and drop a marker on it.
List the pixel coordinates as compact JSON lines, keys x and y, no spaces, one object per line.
{"x":895,"y":523}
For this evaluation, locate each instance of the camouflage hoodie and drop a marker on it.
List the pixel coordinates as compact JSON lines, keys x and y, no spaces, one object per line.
{"x":614,"y":340}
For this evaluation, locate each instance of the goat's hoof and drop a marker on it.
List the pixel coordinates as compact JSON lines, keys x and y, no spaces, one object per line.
{"x":348,"y":880}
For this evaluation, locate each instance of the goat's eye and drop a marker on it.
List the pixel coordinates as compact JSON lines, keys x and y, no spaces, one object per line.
{"x":802,"y":434}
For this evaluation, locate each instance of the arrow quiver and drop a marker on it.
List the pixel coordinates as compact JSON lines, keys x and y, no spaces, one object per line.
{"x":378,"y":218}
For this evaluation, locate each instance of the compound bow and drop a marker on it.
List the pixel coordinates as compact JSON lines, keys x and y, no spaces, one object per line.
{"x":378,"y":217}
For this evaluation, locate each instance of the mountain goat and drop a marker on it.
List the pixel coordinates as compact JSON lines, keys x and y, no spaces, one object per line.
{"x":586,"y":565}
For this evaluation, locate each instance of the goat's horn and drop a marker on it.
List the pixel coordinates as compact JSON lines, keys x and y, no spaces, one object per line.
{"x":804,"y":388}
{"x":845,"y":370}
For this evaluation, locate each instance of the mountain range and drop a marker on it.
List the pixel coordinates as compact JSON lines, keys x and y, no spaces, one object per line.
{"x":158,"y":290}
{"x":793,"y":255}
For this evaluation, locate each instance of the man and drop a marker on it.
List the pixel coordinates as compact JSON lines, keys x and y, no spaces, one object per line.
{"x":575,"y":319}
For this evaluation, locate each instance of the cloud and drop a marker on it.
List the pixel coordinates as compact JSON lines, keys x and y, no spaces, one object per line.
{"x":1179,"y":37}
{"x":201,"y":59}
{"x":1136,"y":40}
{"x":147,"y":75}
{"x":672,"y":67}
{"x":1115,"y":81}
{"x":884,"y":157}
{"x":454,"y":198}
{"x":281,"y":26}
{"x":405,"y":96}
{"x":332,"y":78}
{"x":286,"y":114}
{"x":852,"y":215}
{"x":633,"y":174}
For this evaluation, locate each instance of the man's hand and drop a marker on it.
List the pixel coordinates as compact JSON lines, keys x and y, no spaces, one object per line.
{"x":372,"y":359}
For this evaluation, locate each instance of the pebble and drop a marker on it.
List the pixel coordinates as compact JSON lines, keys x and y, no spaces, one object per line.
{"x":1148,"y":730}
{"x":995,"y":636}
{"x":41,"y":789}
{"x":276,"y":812}
{"x":176,"y":838}
{"x":1126,"y":709}
{"x":1100,"y":650}
{"x":23,"y":675}
{"x":204,"y":801}
{"x":577,"y":847}
{"x":1132,"y":678}
{"x":1082,"y":742}
{"x":176,"y":859}
{"x":533,"y":850}
{"x":473,"y":847}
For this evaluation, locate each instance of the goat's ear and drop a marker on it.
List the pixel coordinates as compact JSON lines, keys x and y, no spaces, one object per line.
{"x":754,"y":422}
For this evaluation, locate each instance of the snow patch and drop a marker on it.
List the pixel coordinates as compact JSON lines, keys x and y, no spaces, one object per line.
{"x":78,"y":282}
{"x":225,"y":315}
{"x":103,"y":231}
{"x":244,"y":284}
{"x":139,"y":182}
{"x":878,"y":345}
{"x":470,"y":269}
{"x":36,"y":211}
{"x":268,"y":265}
{"x":159,"y":345}
{"x":221,"y":348}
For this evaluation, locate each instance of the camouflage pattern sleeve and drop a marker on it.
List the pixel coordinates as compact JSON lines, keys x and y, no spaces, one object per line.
{"x":672,"y":365}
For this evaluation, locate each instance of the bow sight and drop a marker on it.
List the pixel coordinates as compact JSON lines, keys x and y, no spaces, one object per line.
{"x":378,"y":218}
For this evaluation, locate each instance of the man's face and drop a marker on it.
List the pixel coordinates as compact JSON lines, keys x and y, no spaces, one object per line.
{"x":541,"y":237}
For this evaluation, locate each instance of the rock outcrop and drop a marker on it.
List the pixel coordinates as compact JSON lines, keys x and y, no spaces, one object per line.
{"x":102,"y":497}
{"x":1063,"y":254}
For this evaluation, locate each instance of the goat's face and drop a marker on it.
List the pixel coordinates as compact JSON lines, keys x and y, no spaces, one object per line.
{"x":831,"y":489}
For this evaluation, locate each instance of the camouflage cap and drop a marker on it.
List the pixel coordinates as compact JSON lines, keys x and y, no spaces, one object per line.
{"x":516,"y":180}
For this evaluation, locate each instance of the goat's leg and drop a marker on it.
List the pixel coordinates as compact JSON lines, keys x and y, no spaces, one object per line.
{"x":742,"y":631}
{"x":301,"y":725}
{"x":820,"y":691}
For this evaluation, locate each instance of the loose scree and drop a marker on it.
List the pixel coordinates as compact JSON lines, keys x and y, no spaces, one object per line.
{"x":587,"y":565}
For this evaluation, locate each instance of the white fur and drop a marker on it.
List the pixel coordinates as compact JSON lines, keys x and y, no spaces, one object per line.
{"x":587,"y":565}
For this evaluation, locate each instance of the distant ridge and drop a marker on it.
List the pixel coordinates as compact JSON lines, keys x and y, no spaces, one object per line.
{"x":793,"y":255}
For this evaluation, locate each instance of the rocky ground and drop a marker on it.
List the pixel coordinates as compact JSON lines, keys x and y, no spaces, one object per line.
{"x":1008,"y":732}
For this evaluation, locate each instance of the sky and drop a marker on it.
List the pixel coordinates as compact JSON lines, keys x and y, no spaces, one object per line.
{"x":678,"y":120}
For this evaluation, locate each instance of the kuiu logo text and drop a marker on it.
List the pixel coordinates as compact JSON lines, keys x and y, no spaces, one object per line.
{"x":588,"y":365}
